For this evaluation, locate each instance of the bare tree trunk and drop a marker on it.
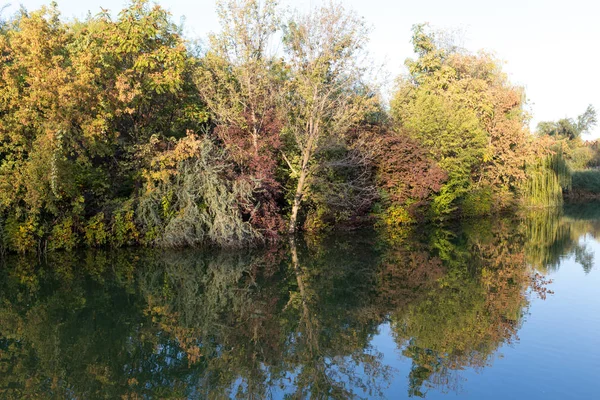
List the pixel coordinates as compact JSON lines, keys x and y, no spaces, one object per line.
{"x":313,"y":130}
{"x":297,"y":201}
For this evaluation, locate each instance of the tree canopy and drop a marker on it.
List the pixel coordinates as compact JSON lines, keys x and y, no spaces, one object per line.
{"x":118,"y":131}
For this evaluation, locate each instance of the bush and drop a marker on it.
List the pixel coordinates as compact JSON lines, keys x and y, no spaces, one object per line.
{"x":408,"y":179}
{"x":477,"y":202}
{"x":23,"y":236}
{"x":95,"y":231}
{"x":586,"y":181}
{"x":63,"y":236}
{"x":580,"y":157}
{"x":124,"y":231}
{"x":193,"y":198}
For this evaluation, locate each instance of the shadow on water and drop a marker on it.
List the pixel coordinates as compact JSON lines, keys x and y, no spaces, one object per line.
{"x":296,"y":321}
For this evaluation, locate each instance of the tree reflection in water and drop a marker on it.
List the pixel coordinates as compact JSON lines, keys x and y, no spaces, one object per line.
{"x":296,"y":321}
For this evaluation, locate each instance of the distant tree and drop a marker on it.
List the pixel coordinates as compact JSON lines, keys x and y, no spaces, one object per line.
{"x":570,"y":128}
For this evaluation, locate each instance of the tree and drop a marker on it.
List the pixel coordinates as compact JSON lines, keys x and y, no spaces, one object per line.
{"x":462,"y":107}
{"x":566,"y":138}
{"x":407,"y":178}
{"x":80,"y":104}
{"x":326,"y":94}
{"x":191,"y":197}
{"x":569,"y":128}
{"x":239,"y":80}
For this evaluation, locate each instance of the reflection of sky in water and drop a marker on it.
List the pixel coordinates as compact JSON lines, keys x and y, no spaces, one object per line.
{"x":557,"y":355}
{"x":328,"y":329}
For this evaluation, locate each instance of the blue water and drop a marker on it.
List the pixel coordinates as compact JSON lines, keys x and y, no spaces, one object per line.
{"x":557,"y":355}
{"x":504,"y":308}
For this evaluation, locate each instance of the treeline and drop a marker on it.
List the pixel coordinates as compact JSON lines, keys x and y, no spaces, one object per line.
{"x":118,"y":131}
{"x":581,"y":158}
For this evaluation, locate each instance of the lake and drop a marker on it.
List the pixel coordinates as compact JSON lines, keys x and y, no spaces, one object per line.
{"x":505,"y":307}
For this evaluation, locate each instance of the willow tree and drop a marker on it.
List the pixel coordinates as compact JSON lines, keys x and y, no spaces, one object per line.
{"x":547,"y":176}
{"x":325,"y":95}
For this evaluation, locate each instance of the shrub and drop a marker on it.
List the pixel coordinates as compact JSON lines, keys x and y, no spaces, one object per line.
{"x":95,"y":231}
{"x":586,"y":181}
{"x":192,"y":197}
{"x":63,"y":236}
{"x":478,"y":202}
{"x":23,"y":236}
{"x":124,"y":231}
{"x":408,"y":178}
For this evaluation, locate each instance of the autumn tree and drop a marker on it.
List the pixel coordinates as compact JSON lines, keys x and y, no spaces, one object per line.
{"x":239,"y":80}
{"x":80,"y":103}
{"x":462,"y":107}
{"x":41,"y":137}
{"x":115,"y":130}
{"x":326,"y":94}
{"x":407,"y":177}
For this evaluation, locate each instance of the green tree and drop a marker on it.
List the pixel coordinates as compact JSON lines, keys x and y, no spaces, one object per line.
{"x":326,"y":94}
{"x":462,"y":107}
{"x":569,"y":128}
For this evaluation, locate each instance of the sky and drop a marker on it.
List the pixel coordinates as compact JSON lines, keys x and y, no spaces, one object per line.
{"x":550,"y":47}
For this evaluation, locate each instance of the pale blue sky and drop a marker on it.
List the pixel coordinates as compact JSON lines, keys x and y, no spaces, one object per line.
{"x":551,"y":47}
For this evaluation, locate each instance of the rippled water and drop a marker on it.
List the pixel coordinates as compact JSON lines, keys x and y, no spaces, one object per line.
{"x":495,"y":309}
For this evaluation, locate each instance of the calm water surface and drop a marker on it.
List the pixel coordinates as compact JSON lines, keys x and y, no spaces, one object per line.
{"x":490,"y":309}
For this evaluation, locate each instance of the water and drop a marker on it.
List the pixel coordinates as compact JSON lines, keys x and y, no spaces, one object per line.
{"x":495,"y":309}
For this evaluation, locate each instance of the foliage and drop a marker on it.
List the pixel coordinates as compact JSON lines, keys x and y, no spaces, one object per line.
{"x":587,"y":181}
{"x":240,"y":82}
{"x":191,"y":198}
{"x":79,"y":102}
{"x":579,"y":155}
{"x":547,"y":178}
{"x":325,"y":95}
{"x":462,"y":107}
{"x":407,"y":178}
{"x":116,"y":131}
{"x":63,"y":236}
{"x":568,"y":128}
{"x":342,"y":188}
{"x":95,"y":231}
